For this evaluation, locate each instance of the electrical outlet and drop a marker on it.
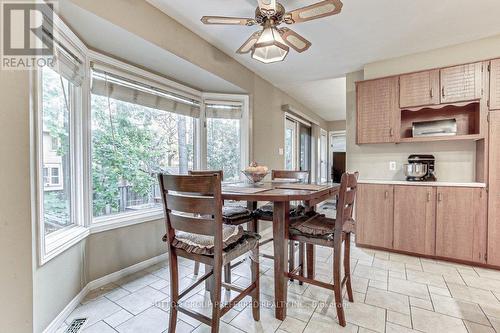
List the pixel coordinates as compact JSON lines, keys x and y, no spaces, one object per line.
{"x":392,"y":165}
{"x":280,"y":151}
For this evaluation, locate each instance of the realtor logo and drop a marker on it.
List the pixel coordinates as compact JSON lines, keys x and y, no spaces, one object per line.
{"x":27,"y":30}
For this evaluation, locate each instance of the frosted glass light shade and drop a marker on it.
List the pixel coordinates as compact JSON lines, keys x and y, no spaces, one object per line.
{"x":270,"y":47}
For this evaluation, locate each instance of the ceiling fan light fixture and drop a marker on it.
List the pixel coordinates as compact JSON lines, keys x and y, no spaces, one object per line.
{"x":270,"y":47}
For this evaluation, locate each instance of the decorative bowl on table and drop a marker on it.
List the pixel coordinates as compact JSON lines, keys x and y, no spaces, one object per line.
{"x":256,"y":173}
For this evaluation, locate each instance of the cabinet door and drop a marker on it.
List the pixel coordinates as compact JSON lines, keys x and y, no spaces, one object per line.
{"x":419,"y":89}
{"x":374,"y":215}
{"x":377,"y":107}
{"x":494,"y":191}
{"x":461,"y":223}
{"x":495,"y":85}
{"x":414,"y":219}
{"x":461,"y":83}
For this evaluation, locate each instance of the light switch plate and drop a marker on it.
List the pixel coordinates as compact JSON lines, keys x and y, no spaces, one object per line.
{"x":280,"y":151}
{"x":392,"y":165}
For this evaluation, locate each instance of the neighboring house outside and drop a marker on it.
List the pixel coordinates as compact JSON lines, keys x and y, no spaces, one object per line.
{"x":52,"y":167}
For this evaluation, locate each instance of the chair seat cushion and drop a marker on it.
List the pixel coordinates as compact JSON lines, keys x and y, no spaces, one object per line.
{"x":236,"y":214}
{"x":267,"y":210}
{"x":313,"y":225}
{"x":202,"y":244}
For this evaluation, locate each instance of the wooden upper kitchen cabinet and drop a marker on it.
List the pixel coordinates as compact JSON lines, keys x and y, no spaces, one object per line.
{"x":461,"y":83}
{"x":494,"y":191}
{"x":419,"y":89}
{"x":414,"y":219}
{"x":461,"y":223}
{"x":374,"y":215}
{"x":377,"y":110}
{"x":495,"y":84}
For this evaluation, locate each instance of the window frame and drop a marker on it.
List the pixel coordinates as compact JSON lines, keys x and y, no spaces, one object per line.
{"x":245,"y":126}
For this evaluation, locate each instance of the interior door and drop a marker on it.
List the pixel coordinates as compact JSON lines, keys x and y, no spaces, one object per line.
{"x":323,"y":156}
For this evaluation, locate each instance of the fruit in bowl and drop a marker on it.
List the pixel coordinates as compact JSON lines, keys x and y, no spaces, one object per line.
{"x":255,"y":173}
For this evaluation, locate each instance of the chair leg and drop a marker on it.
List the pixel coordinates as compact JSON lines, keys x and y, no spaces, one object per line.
{"x":301,"y":261}
{"x":291,"y":256}
{"x":174,"y":291}
{"x":347,"y":266}
{"x":227,"y":274}
{"x":216,"y":298}
{"x":196,"y":268}
{"x":337,"y":281}
{"x":310,"y":257}
{"x":255,"y":278}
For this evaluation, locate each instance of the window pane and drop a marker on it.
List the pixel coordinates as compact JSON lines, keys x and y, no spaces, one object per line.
{"x":56,"y":127}
{"x":131,"y":144}
{"x":223,"y":147}
{"x":289,"y":133}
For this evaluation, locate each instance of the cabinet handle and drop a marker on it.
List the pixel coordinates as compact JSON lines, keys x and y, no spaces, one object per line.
{"x":391,"y":132}
{"x":431,"y":92}
{"x":386,"y":194}
{"x":428,"y":196}
{"x":442,"y":91}
{"x":440,"y":197}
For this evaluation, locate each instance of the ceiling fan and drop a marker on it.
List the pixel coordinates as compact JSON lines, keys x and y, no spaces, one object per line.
{"x":272,"y":43}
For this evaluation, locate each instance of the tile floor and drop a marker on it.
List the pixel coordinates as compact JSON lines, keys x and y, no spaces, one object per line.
{"x":393,"y":293}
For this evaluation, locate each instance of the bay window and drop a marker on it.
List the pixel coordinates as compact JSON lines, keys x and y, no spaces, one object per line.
{"x":137,"y":132}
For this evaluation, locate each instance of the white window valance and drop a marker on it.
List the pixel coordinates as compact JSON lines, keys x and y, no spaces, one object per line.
{"x":223,"y":109}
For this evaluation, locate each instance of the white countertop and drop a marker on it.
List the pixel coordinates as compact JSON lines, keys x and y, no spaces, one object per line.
{"x":404,"y":182}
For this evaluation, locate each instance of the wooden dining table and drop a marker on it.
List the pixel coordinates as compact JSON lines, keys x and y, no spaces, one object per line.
{"x":281,"y":193}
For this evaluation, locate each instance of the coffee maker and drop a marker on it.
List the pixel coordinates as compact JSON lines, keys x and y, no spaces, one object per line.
{"x":420,"y":168}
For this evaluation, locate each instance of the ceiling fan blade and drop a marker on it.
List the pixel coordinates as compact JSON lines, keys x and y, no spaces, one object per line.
{"x":294,"y":40}
{"x":248,"y":45}
{"x":228,"y":20}
{"x":267,"y":7}
{"x":313,"y":12}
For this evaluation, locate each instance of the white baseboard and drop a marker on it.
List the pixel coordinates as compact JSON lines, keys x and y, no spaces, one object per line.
{"x":61,"y":317}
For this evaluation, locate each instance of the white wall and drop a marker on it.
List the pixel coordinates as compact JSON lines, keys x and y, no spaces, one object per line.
{"x":455,"y":161}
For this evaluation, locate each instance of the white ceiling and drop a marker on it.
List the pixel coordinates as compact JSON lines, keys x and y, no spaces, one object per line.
{"x":116,"y":41}
{"x":365,"y":31}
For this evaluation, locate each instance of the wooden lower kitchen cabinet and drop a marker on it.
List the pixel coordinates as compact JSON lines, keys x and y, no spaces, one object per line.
{"x":494,"y":190}
{"x":461,"y":224}
{"x":374,"y":215}
{"x":414,"y":219}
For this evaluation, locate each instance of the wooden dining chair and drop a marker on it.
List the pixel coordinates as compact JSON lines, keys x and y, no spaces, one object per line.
{"x":231,"y":214}
{"x":195,"y":230}
{"x":266,"y":212}
{"x":320,"y":230}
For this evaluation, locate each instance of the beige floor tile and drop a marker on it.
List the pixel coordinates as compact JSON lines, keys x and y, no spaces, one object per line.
{"x":118,"y":318}
{"x":475,"y":295}
{"x":366,"y":315}
{"x":378,"y":284}
{"x":491,"y":310}
{"x":399,"y":318}
{"x":94,"y":311}
{"x":406,"y":259}
{"x":99,"y":327}
{"x":477,"y":328}
{"x":244,"y":321}
{"x":389,"y":265}
{"x":394,"y":328}
{"x":100,"y":292}
{"x":388,"y":300}
{"x":482,"y":283}
{"x":487,"y":273}
{"x":116,"y":294}
{"x":300,"y":307}
{"x":421,"y":303}
{"x":133,"y":284}
{"x":428,"y":321}
{"x":426,"y":277}
{"x":414,"y":267}
{"x":292,"y":325}
{"x":439,"y":291}
{"x":223,"y":328}
{"x":397,"y":275}
{"x":372,"y":273}
{"x":456,"y":308}
{"x":321,"y":323}
{"x":409,"y":288}
{"x":141,"y":300}
{"x":495,"y":322}
{"x":359,"y":284}
{"x":153,"y":320}
{"x":438,"y":268}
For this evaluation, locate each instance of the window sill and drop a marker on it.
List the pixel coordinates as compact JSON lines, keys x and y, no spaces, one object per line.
{"x":58,"y":242}
{"x":124,"y":220}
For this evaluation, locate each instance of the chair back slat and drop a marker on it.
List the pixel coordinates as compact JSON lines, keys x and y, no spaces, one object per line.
{"x":190,"y":204}
{"x":189,"y":184}
{"x":207,"y":172}
{"x":302,"y":176}
{"x":201,"y":226}
{"x":347,"y":197}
